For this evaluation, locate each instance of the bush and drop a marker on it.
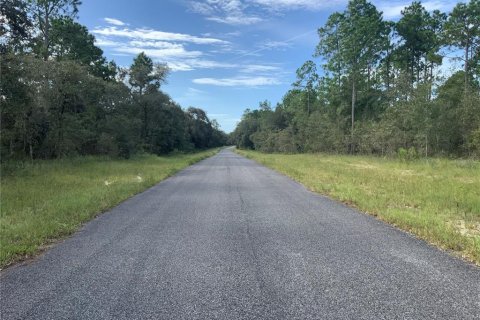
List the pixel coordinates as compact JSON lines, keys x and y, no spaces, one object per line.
{"x":407,"y":154}
{"x":474,"y":143}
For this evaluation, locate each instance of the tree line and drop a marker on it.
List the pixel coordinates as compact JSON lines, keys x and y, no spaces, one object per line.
{"x":381,"y":88}
{"x":60,"y":96}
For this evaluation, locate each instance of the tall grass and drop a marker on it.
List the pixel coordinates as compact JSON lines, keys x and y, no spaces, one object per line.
{"x":44,"y":200}
{"x":436,"y":199}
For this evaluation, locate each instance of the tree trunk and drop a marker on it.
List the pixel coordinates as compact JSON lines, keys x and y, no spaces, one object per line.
{"x":467,"y":48}
{"x":145,"y":118}
{"x":354,"y":93}
{"x":387,"y":78}
{"x":59,"y":145}
{"x":46,"y":33}
{"x":308,"y":101}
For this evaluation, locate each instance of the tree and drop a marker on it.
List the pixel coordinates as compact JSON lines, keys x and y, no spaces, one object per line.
{"x":44,"y":11}
{"x":413,"y":29}
{"x":462,"y":30}
{"x":307,"y":78}
{"x":144,"y":73}
{"x":15,"y":24}
{"x":330,"y":45}
{"x":435,"y":27}
{"x":200,"y":127}
{"x":146,"y":77}
{"x":361,"y":31}
{"x":72,"y":41}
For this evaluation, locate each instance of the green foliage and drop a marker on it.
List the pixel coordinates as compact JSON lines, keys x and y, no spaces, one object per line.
{"x":43,"y":12}
{"x":474,"y":140}
{"x":60,"y":97}
{"x":71,"y":41}
{"x":407,"y":155}
{"x":144,"y":74}
{"x":381,"y":90}
{"x":463,"y":31}
{"x":14,"y":25}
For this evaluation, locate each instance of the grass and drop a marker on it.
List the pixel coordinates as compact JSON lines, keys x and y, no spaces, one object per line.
{"x":436,"y":199}
{"x":49,"y":199}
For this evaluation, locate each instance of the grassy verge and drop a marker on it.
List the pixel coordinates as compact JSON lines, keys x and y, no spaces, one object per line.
{"x":436,"y":199}
{"x":45,"y":200}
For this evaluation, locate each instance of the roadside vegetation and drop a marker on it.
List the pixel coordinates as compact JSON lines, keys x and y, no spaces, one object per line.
{"x":436,"y":199}
{"x":69,"y":119}
{"x":380,"y":87}
{"x":60,"y":96}
{"x":45,"y":200}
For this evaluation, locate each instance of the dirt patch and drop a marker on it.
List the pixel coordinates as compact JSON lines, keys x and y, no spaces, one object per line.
{"x":468,"y":229}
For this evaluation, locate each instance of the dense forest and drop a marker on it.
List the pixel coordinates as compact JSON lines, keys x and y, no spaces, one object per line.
{"x":60,"y":96}
{"x":379,"y":87}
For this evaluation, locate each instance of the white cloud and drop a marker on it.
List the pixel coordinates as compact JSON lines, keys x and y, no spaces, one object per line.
{"x":238,"y":81}
{"x":232,"y":12}
{"x":115,"y":22}
{"x":246,"y":12}
{"x":281,"y":5}
{"x":104,"y":42}
{"x":150,"y":34}
{"x":155,"y":44}
{"x":195,"y":91}
{"x":172,"y":48}
{"x":160,"y":54}
{"x":258,"y":68}
{"x":177,"y":58}
{"x":236,"y":20}
{"x":165,"y":47}
{"x":193,"y":64}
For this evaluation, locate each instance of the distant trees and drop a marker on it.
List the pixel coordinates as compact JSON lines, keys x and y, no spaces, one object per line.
{"x":380,"y":88}
{"x":463,"y":31}
{"x":59,"y":96}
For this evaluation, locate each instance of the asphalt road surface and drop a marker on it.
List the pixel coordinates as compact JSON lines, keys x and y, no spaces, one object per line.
{"x":230,"y":239}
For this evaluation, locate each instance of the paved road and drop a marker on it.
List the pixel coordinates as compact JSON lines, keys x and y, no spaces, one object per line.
{"x":230,"y":239}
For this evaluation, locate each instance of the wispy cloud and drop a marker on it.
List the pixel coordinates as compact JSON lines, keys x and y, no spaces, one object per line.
{"x":269,"y":45}
{"x":174,"y":49}
{"x":259,"y":69}
{"x":160,"y":54}
{"x":151,"y":34}
{"x":235,"y":19}
{"x":247,"y":12}
{"x":114,"y":21}
{"x":166,"y":47}
{"x":232,"y":12}
{"x":177,"y":59}
{"x":238,"y":81}
{"x":282,"y":5}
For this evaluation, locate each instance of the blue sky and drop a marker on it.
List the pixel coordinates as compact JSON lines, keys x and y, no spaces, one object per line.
{"x":225,"y":55}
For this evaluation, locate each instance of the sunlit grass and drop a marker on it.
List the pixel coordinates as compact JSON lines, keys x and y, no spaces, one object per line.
{"x":435,"y":199}
{"x":45,"y":200}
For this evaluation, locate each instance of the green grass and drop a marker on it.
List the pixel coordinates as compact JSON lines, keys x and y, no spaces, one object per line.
{"x":49,"y":199}
{"x":436,"y":199}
